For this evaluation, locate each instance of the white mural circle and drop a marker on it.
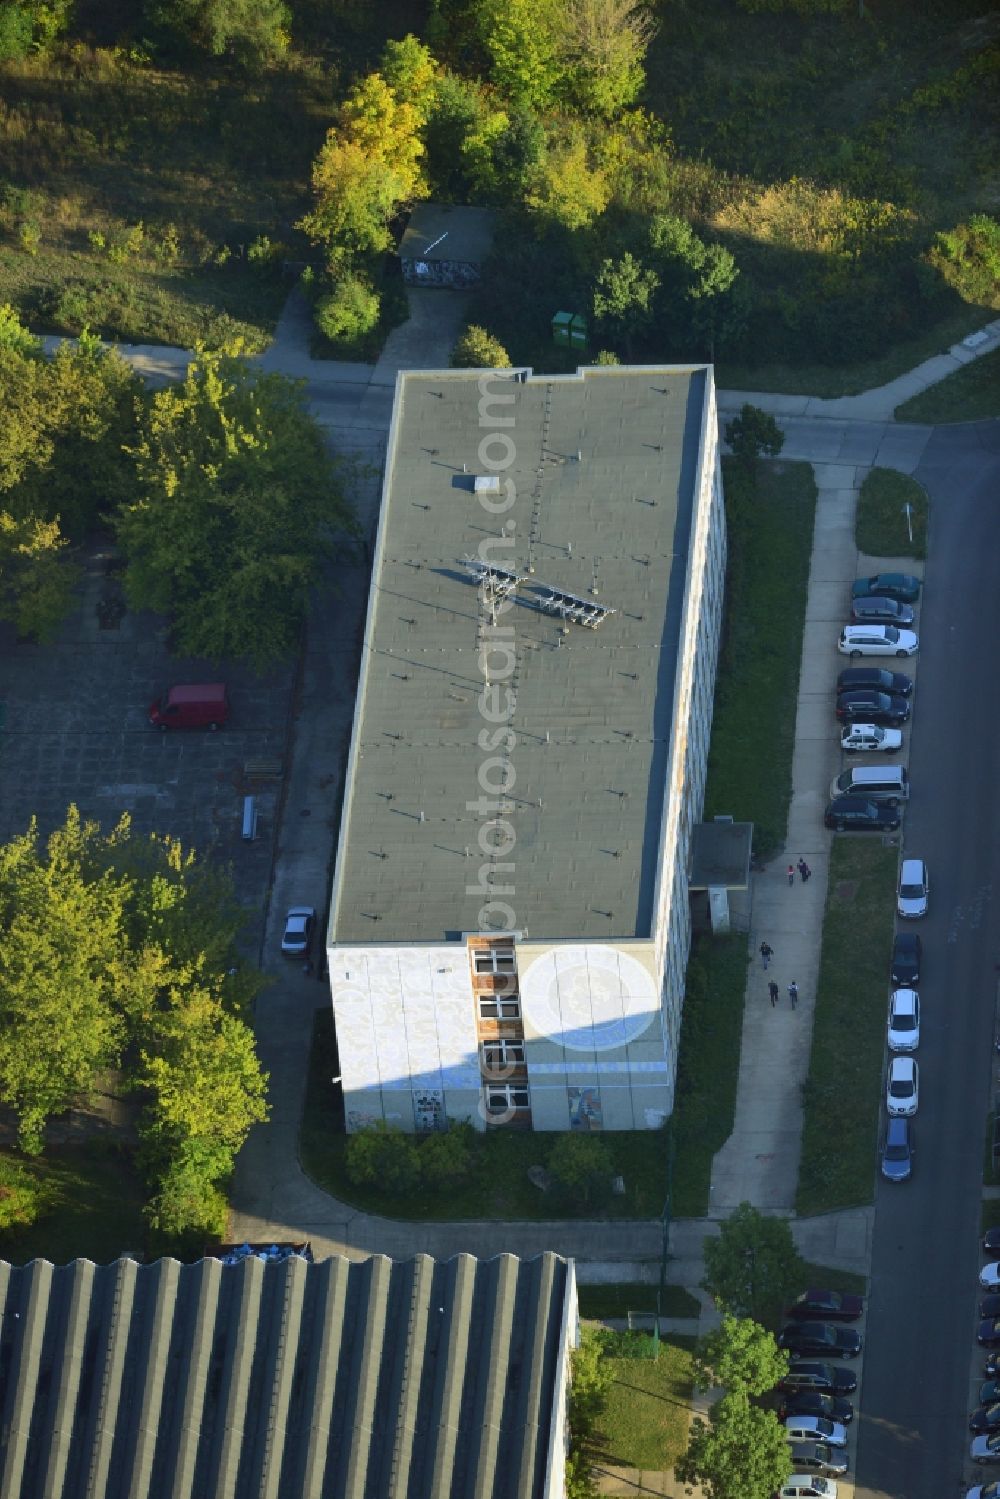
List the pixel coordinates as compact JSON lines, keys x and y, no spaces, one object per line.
{"x":588,"y":998}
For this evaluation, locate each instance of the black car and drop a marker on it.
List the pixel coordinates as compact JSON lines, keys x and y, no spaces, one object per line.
{"x":874,"y":679}
{"x":832,"y":1379}
{"x":988,"y":1336}
{"x":865,"y":706}
{"x":986,"y":1418}
{"x":989,"y":1306}
{"x":856,"y":814}
{"x":878,"y":609}
{"x":991,"y":1368}
{"x":817,"y":1457}
{"x":823,"y":1339}
{"x":907,"y":951}
{"x":829,"y":1306}
{"x":815,"y":1403}
{"x":991,"y":1242}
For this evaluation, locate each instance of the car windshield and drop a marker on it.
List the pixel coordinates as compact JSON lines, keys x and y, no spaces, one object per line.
{"x":900,"y":1087}
{"x":895,"y":1152}
{"x":911,"y":891}
{"x":891,"y":633}
{"x":904,"y":1023}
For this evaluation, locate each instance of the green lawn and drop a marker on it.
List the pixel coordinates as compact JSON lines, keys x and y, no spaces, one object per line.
{"x":880,"y":526}
{"x":970,"y":394}
{"x":843,"y":1088}
{"x":617,"y":1299}
{"x":645,"y":1419}
{"x":832,"y":1279}
{"x":770,"y":545}
{"x":95,"y":1199}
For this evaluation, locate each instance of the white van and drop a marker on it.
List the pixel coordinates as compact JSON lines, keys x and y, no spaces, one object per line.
{"x":808,"y":1486}
{"x":879,"y":783}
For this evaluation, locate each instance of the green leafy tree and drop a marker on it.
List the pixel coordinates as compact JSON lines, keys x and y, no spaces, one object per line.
{"x":410,"y":70}
{"x":502,"y":152}
{"x":350,"y":310}
{"x":37,"y":583}
{"x":752,"y":433}
{"x":446,"y":1156}
{"x":753,"y":1268}
{"x":624,"y":294}
{"x":459,"y":106}
{"x":566,"y":187}
{"x":582,"y":1165}
{"x":14,"y":335}
{"x":741,"y":1453}
{"x":236,"y":504}
{"x":383,"y":1157}
{"x":602,"y":45}
{"x":591,"y":1377}
{"x":60,"y":973}
{"x":255,"y":32}
{"x":32,"y":26}
{"x":740,"y":1355}
{"x":23,"y":1197}
{"x":521,"y":39}
{"x":478,"y":350}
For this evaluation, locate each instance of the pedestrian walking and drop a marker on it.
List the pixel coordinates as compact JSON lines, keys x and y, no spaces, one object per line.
{"x":793,"y":993}
{"x":772,"y":990}
{"x":791,"y":874}
{"x":766,"y":954}
{"x":804,"y":869}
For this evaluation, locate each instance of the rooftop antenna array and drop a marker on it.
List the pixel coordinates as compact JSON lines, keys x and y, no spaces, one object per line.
{"x":570,"y":607}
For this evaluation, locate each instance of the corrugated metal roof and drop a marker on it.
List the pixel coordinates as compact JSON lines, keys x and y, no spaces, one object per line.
{"x":337,"y":1380}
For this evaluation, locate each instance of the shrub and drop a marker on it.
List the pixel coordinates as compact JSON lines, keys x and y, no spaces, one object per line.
{"x":968,"y":257}
{"x":383,"y":1156}
{"x":582,"y":1165}
{"x":29,"y":237}
{"x":447,"y":1157}
{"x":350,"y":311}
{"x":22,"y":1198}
{"x":479,"y":350}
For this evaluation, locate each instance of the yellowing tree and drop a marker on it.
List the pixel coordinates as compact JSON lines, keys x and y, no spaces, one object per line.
{"x":521,"y":38}
{"x":565,"y":187}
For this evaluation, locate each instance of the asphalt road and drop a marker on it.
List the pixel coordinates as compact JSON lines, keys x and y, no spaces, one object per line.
{"x":920,"y":1344}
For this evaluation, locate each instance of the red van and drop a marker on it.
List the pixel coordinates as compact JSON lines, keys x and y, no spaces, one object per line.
{"x":203,"y":705}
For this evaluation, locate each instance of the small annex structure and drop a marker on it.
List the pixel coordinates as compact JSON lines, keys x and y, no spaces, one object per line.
{"x":510,"y":921}
{"x":339,"y":1380}
{"x":444,"y":245}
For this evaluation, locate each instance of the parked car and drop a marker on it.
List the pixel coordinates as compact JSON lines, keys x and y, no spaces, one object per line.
{"x":989,"y":1390}
{"x":874,"y":679}
{"x":989,"y":1306}
{"x":914,"y":889}
{"x":879,"y":609}
{"x":897,"y":1151}
{"x":815,"y":1429}
{"x":198,"y":705}
{"x":988,"y":1336}
{"x":907,"y":951}
{"x":870,"y":739}
{"x":989,"y":1276}
{"x":991,"y":1241}
{"x":992,"y":1365}
{"x":893,"y":585}
{"x":856,"y":814}
{"x":817,"y":1457}
{"x":986,"y":1418}
{"x":816,"y":1403}
{"x":819,"y":1340}
{"x":828,"y":1306}
{"x":902,"y":1089}
{"x":834,"y":1379}
{"x":877,"y":640}
{"x":984,"y":1491}
{"x":904,"y":1020}
{"x":807,"y":1486}
{"x":866,"y":705}
{"x":298,"y":931}
{"x":986,"y":1448}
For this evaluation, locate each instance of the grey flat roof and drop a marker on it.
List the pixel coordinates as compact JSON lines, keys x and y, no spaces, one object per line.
{"x":720,"y":855}
{"x":337,"y":1380}
{"x":469,"y":233}
{"x":593,"y":709}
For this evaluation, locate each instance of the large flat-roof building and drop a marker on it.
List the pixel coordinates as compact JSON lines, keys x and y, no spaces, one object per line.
{"x":510,"y":926}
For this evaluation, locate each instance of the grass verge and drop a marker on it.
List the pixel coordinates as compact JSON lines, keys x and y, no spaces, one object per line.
{"x":770,"y":545}
{"x":94,"y":1199}
{"x":498,"y":1185}
{"x":880,"y":524}
{"x":617,"y":1299}
{"x":970,"y":394}
{"x":832,"y":1279}
{"x":838,"y":1165}
{"x":646,"y":1413}
{"x":990,"y":1214}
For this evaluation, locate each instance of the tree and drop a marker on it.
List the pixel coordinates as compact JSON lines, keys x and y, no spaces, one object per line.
{"x":60,"y":973}
{"x":383,"y":1157}
{"x":255,"y":32}
{"x":741,"y":1453}
{"x":740,"y":1355}
{"x":565,"y":187}
{"x":410,"y":70}
{"x":752,"y":433}
{"x":236,"y":504}
{"x":753,"y":1268}
{"x":478,"y":350}
{"x":623,"y":298}
{"x":521,"y":39}
{"x":602,"y":45}
{"x":502,"y":151}
{"x":350,"y":310}
{"x":581,"y":1164}
{"x":14,"y":335}
{"x":36,"y":582}
{"x":446,"y":1156}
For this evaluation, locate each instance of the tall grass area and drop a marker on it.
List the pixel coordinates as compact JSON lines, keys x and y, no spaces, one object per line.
{"x":880,"y":528}
{"x":842,"y":1093}
{"x":753,"y":731}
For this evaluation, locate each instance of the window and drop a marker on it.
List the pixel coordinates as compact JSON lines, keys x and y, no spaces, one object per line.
{"x":500,"y":1055}
{"x":499,"y":1007}
{"x":494,"y":960}
{"x":501,"y":1098}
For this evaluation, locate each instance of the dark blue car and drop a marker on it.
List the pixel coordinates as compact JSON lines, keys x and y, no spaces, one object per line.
{"x":897,"y":1152}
